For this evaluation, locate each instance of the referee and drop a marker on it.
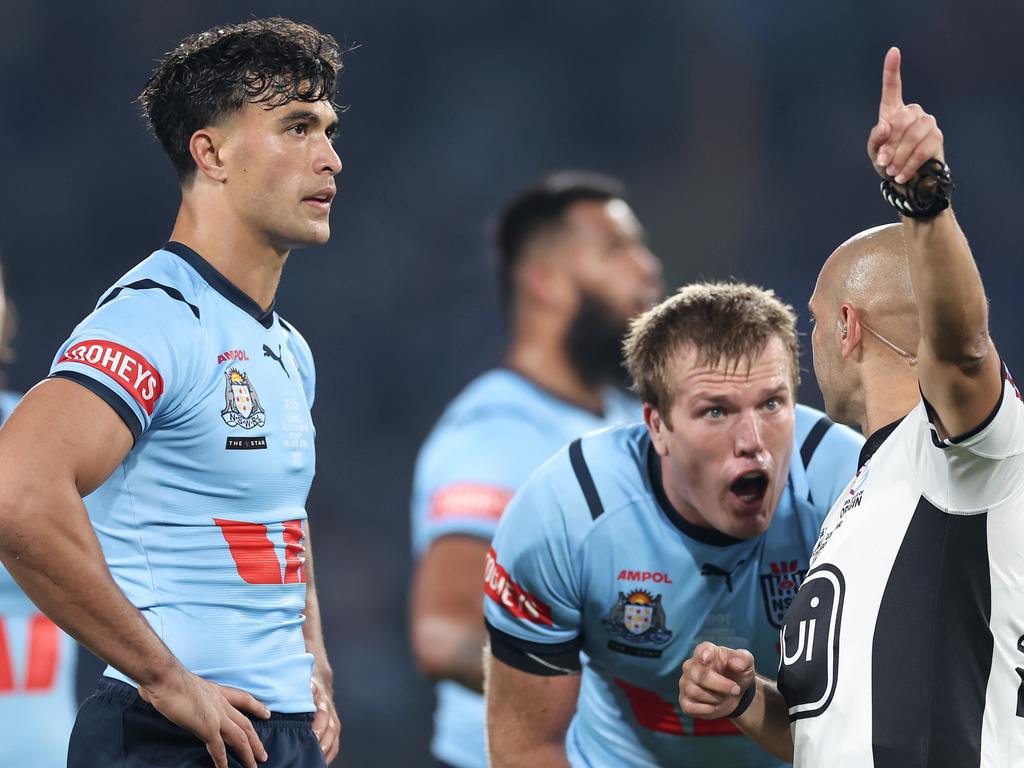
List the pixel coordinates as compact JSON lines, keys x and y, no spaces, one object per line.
{"x":905,"y":644}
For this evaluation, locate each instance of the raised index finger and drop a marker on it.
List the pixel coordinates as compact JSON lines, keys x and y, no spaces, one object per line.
{"x":892,"y":85}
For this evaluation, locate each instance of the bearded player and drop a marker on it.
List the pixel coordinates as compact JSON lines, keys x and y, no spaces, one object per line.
{"x":574,"y":268}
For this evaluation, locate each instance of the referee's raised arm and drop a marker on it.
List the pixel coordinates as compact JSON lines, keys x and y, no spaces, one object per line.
{"x":958,"y":367}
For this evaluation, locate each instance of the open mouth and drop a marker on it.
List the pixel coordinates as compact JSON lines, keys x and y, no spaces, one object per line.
{"x":750,"y":487}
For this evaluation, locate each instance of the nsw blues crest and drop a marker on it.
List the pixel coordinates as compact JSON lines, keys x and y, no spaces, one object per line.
{"x":241,"y":403}
{"x":779,"y":587}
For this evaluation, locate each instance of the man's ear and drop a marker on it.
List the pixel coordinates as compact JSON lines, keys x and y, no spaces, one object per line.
{"x":545,"y":282}
{"x":657,"y":428}
{"x":206,"y":148}
{"x":849,"y":330}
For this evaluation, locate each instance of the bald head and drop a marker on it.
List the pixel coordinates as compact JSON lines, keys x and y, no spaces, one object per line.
{"x":870,"y":272}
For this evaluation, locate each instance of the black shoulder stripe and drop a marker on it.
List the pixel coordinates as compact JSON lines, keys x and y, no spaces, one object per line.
{"x":813,"y":439}
{"x":583,"y":477}
{"x":285,"y":325}
{"x":546,"y":660}
{"x":174,"y":293}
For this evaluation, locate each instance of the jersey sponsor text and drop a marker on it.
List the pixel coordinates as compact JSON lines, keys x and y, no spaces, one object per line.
{"x":126,"y":366}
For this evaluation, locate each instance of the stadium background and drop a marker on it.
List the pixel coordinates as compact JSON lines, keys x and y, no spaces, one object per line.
{"x":738,"y":127}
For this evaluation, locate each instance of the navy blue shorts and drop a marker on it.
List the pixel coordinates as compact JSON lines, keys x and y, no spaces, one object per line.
{"x":115,"y":727}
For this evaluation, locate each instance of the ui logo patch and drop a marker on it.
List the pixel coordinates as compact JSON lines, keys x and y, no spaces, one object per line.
{"x":778,"y":589}
{"x":241,"y":403}
{"x":809,"y":667}
{"x":639,"y":619}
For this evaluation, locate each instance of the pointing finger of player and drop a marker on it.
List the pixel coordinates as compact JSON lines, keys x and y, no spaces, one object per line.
{"x":705,"y":652}
{"x":698,"y":674}
{"x":892,"y":84}
{"x":740,"y":661}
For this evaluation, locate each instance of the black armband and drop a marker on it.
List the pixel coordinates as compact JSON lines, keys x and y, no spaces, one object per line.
{"x":925,"y":195}
{"x":745,"y":699}
{"x":547,"y":660}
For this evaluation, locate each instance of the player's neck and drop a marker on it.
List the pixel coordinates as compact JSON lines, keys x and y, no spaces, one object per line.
{"x":233,"y":249}
{"x":546,"y":364}
{"x":888,"y":396}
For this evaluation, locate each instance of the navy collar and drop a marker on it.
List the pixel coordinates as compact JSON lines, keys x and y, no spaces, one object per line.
{"x":874,"y":442}
{"x":711,"y":536}
{"x":222,"y":285}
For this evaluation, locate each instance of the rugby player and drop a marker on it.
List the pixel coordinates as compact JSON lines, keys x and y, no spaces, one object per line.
{"x":632,"y":544}
{"x":905,"y":644}
{"x":37,"y":660}
{"x":179,"y":410}
{"x":574,"y":268}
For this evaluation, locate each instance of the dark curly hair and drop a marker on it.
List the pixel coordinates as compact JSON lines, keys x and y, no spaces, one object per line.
{"x":215,"y":73}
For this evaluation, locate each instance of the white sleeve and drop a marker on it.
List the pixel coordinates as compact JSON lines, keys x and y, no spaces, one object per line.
{"x":978,"y":470}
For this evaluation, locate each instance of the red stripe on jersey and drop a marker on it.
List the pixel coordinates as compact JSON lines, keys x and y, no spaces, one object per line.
{"x":127,"y":367}
{"x":6,"y":663}
{"x":651,"y":711}
{"x":43,"y":654}
{"x":294,"y":572}
{"x":252,"y":551}
{"x":721,"y":726}
{"x":469,"y":500}
{"x":501,"y":589}
{"x":656,"y":714}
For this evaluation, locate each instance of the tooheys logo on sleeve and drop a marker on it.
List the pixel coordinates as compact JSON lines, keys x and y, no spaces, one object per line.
{"x":513,"y":598}
{"x":126,"y":366}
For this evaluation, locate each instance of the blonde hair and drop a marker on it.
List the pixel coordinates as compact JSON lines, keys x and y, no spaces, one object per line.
{"x":731,"y":322}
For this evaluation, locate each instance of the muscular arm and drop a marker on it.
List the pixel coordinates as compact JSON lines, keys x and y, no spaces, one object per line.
{"x":326,"y":724}
{"x":958,"y":365}
{"x":448,"y":634}
{"x":59,"y":445}
{"x":528,"y":716}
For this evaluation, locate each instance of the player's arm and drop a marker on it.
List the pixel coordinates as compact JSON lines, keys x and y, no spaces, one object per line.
{"x":958,"y":366}
{"x":533,"y":611}
{"x":448,"y":633}
{"x":716,"y":680}
{"x":464,"y":480}
{"x":326,"y":723}
{"x":59,"y":445}
{"x":528,"y":716}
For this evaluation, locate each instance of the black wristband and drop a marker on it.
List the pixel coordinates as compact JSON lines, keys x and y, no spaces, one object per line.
{"x":925,"y":195}
{"x":745,"y":699}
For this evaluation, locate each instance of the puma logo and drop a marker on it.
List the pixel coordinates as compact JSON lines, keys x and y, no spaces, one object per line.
{"x":268,"y":352}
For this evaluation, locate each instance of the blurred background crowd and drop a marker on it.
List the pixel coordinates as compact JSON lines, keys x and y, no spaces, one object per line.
{"x":737,"y":127}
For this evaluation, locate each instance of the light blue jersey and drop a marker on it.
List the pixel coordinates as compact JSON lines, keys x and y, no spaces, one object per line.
{"x":591,"y":561}
{"x":488,"y":441}
{"x":202,"y":525}
{"x":37,"y":674}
